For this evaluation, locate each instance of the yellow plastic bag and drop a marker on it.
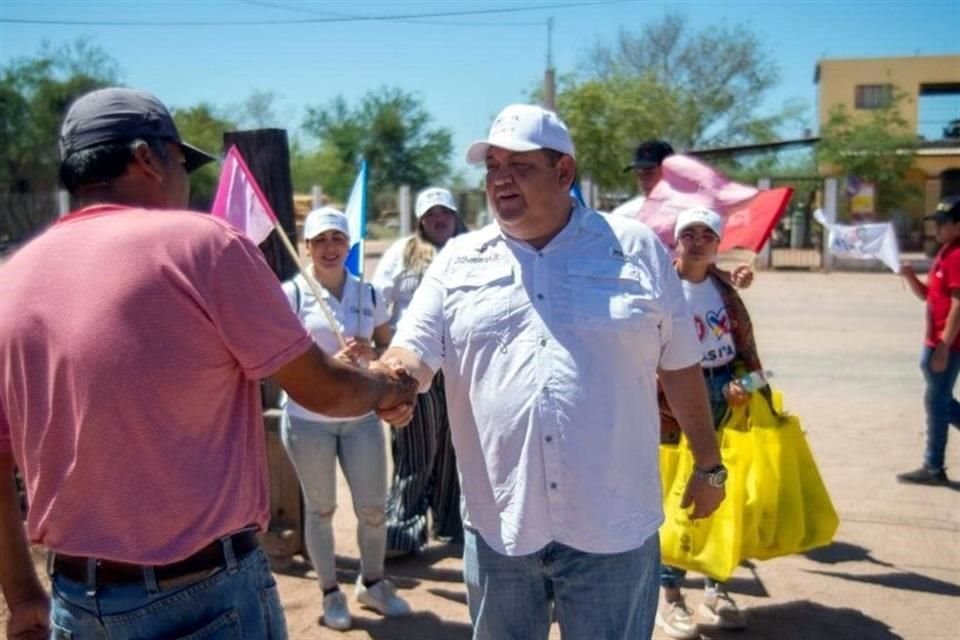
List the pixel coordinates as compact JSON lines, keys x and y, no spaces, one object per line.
{"x":710,"y":546}
{"x":669,"y":459}
{"x":787,"y":508}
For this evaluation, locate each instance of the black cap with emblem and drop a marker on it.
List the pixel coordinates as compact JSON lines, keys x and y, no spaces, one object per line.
{"x":947,"y":211}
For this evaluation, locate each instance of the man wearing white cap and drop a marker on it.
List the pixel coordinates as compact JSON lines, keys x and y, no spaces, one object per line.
{"x":424,"y":464}
{"x":550,"y":327}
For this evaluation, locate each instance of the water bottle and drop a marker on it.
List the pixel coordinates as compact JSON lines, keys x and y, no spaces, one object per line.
{"x":755,"y":380}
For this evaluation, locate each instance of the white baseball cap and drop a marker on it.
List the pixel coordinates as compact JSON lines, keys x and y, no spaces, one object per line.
{"x":523,"y":127}
{"x":325,"y":219}
{"x":699,"y":215}
{"x":432,"y":197}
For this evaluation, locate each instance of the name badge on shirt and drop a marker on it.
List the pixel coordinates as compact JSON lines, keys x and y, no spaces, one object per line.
{"x":367,"y":311}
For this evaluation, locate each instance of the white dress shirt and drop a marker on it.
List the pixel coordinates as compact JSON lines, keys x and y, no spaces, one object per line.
{"x":550,"y":359}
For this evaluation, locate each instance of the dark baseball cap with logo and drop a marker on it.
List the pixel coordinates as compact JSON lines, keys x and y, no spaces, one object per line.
{"x":649,"y":154}
{"x":947,"y":211}
{"x":119,"y":115}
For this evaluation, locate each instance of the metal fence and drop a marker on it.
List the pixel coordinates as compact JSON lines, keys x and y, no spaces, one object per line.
{"x":797,"y":241}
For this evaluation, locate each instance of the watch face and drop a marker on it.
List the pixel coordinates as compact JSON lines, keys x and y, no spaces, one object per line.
{"x":719,"y":477}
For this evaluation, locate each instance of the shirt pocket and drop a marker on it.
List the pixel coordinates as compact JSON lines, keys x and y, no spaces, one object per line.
{"x":612,"y":295}
{"x":611,"y":291}
{"x":478,"y":301}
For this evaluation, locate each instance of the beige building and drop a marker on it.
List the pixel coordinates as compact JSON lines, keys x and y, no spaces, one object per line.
{"x":862,"y":84}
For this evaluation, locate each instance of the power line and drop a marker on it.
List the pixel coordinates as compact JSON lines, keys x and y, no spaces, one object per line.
{"x":317,"y":20}
{"x":444,"y":23}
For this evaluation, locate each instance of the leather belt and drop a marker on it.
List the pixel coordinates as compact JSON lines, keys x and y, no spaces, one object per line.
{"x":211,"y":557}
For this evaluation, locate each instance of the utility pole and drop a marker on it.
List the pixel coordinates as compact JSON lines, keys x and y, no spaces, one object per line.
{"x":549,"y":76}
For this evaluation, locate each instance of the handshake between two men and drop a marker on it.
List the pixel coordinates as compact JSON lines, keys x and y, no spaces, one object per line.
{"x":335,"y":388}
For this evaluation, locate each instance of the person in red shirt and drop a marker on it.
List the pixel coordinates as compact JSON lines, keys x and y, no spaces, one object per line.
{"x":941,"y":352}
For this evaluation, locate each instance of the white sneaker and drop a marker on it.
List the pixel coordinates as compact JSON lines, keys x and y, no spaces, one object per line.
{"x":382,"y":597}
{"x":336,"y":613}
{"x":719,"y":610}
{"x":676,"y":620}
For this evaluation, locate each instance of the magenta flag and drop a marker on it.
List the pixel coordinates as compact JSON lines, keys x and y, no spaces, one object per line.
{"x":750,"y":214}
{"x":240,"y":201}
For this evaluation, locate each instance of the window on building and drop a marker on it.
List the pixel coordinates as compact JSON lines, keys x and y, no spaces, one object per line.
{"x":873,"y":96}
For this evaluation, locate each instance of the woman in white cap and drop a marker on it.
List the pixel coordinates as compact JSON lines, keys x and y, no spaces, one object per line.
{"x":425,"y":470}
{"x":314,"y":442}
{"x":725,"y":332}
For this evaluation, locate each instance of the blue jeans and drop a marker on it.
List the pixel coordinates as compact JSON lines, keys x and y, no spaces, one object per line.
{"x":716,"y":379}
{"x":670,"y":578}
{"x":942,"y":408}
{"x":239,"y":601}
{"x":610,"y":596}
{"x":361,"y":447}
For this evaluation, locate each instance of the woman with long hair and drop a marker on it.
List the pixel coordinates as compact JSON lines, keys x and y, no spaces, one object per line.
{"x":425,"y":470}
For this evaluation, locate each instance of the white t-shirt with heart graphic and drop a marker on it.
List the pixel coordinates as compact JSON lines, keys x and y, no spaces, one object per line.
{"x":711,"y":322}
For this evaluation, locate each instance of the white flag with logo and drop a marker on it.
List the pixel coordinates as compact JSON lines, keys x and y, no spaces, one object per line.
{"x":863,"y":241}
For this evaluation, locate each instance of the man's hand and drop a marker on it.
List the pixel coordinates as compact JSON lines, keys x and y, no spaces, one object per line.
{"x":941,"y":354}
{"x":396,"y":406}
{"x":907,"y":271}
{"x":741,"y":277}
{"x":29,"y":619}
{"x":704,"y":497}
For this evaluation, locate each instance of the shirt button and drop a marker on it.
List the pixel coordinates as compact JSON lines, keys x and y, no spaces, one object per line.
{"x":553,"y":485}
{"x":539,"y":254}
{"x":543,"y":342}
{"x":549,"y":438}
{"x":539,"y":296}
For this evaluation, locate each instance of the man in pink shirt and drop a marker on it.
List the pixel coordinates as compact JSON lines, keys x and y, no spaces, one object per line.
{"x":132,"y":343}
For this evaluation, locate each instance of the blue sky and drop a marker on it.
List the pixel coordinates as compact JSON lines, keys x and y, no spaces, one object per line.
{"x":465,"y":68}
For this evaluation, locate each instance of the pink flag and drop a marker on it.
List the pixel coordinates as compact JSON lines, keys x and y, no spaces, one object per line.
{"x":239,"y":200}
{"x":750,"y":214}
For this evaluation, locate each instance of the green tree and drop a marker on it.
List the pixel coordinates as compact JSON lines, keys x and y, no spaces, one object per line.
{"x":876,"y":147}
{"x":607,"y":116}
{"x":203,"y":126}
{"x":35,"y":93}
{"x":719,"y":78}
{"x":390,"y":128}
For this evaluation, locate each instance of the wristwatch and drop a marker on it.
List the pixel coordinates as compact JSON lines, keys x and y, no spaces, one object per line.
{"x":715,"y":477}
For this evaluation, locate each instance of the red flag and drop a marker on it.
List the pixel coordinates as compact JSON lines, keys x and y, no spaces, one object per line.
{"x":240,"y":201}
{"x":750,"y":214}
{"x":749,"y":225}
